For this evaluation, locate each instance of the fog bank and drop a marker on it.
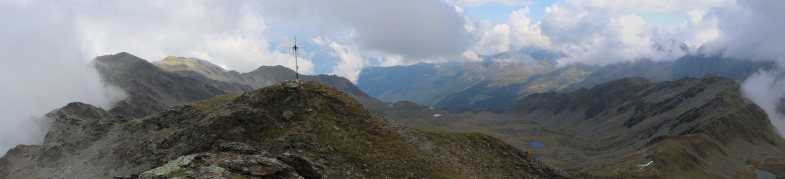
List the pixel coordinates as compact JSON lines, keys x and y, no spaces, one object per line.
{"x":42,"y":68}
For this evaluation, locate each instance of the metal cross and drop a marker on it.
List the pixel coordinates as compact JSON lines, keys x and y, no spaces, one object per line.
{"x":296,"y":67}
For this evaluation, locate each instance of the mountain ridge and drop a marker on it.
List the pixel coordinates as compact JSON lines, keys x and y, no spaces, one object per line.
{"x":156,"y":86}
{"x":148,"y":87}
{"x":315,"y":130}
{"x":258,"y":78}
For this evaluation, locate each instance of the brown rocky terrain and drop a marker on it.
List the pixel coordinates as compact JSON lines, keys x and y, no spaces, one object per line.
{"x":291,"y":130}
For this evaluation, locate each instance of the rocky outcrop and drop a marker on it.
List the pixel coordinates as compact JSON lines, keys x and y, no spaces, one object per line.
{"x":693,"y":127}
{"x":229,"y":164}
{"x":289,"y":130}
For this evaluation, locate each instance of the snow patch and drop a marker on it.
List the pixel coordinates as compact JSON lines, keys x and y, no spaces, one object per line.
{"x":645,"y":165}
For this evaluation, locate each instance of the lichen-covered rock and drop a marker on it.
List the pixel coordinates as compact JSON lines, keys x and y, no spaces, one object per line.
{"x":238,"y":147}
{"x":303,"y":167}
{"x":168,"y":168}
{"x":223,"y":165}
{"x":257,"y":165}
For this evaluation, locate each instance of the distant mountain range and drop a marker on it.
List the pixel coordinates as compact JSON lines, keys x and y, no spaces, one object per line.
{"x":498,"y":81}
{"x":504,"y":78}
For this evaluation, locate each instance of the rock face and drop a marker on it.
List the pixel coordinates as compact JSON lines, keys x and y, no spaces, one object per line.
{"x":693,"y":127}
{"x":297,"y":129}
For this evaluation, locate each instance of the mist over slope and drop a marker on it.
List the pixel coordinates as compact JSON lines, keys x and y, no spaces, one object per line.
{"x":37,"y":82}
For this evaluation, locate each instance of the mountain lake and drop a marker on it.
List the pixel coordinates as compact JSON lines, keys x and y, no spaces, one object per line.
{"x":537,"y":144}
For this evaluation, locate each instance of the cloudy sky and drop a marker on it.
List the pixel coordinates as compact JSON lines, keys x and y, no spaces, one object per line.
{"x":45,"y":46}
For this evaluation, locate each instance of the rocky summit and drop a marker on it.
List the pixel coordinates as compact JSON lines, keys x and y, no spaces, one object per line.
{"x":296,"y":129}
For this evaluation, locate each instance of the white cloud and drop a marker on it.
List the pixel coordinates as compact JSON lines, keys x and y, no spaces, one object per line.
{"x":351,"y":61}
{"x":604,"y":32}
{"x":471,"y":56}
{"x":700,"y":28}
{"x":767,"y":90}
{"x":395,"y":60}
{"x":517,"y":33}
{"x":749,"y":30}
{"x":319,"y":41}
{"x":596,"y":36}
{"x":228,"y":34}
{"x":414,"y":29}
{"x":495,"y":40}
{"x":524,"y":32}
{"x":43,"y":69}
